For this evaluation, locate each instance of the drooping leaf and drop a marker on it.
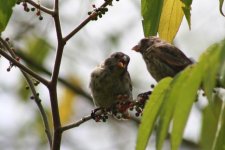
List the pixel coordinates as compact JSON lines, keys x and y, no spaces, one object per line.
{"x":5,"y":12}
{"x":186,"y":95}
{"x":151,"y":12}
{"x":171,"y":18}
{"x":219,"y":139}
{"x":210,"y":124}
{"x":221,"y":7}
{"x":214,"y":59}
{"x":168,"y":107}
{"x":150,"y":113}
{"x":187,"y":11}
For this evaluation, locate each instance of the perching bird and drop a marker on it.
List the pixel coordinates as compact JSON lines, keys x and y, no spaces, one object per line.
{"x":110,"y":81}
{"x":162,"y":58}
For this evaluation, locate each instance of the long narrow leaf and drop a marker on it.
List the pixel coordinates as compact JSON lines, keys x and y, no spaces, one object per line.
{"x":171,"y":18}
{"x":186,"y":96}
{"x":151,"y":12}
{"x":150,"y":113}
{"x":170,"y":101}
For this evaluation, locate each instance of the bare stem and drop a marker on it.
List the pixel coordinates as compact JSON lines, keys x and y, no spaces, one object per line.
{"x":24,"y":71}
{"x":82,"y":24}
{"x":42,"y":8}
{"x":76,"y":124}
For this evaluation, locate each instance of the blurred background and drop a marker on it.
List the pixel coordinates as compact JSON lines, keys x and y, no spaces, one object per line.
{"x":119,"y":30}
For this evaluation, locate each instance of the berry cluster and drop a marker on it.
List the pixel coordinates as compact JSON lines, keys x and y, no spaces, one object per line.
{"x":27,"y":9}
{"x":98,"y":12}
{"x":120,"y":109}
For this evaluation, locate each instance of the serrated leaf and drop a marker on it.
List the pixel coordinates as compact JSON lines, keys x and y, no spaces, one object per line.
{"x":171,"y":18}
{"x":151,"y":12}
{"x":186,"y":95}
{"x":187,"y":11}
{"x":221,"y":7}
{"x":150,"y":113}
{"x":5,"y":12}
{"x":168,"y":106}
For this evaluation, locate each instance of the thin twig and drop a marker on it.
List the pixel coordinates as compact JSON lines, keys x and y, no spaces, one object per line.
{"x":42,"y":8}
{"x":24,"y":68}
{"x":41,"y":109}
{"x":76,"y":89}
{"x":82,"y":24}
{"x":31,"y":85}
{"x":76,"y":124}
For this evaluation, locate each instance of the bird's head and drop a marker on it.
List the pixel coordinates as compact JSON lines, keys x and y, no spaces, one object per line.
{"x":117,"y":62}
{"x":145,"y":43}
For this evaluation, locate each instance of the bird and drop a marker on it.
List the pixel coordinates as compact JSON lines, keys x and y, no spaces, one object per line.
{"x":162,"y":59}
{"x":110,"y":81}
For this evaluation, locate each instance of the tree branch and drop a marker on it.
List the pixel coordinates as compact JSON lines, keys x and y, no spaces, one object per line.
{"x":89,"y":18}
{"x":76,"y":124}
{"x":23,"y":69}
{"x":42,"y":8}
{"x":42,"y":69}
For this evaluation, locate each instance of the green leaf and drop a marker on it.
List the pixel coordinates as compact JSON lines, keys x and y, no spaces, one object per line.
{"x":150,"y":113}
{"x":151,"y":12}
{"x":186,"y":95}
{"x":221,"y":7}
{"x":5,"y":12}
{"x":171,"y":18}
{"x":213,"y":60}
{"x":210,"y":123}
{"x":187,"y":11}
{"x":219,"y":139}
{"x":37,"y":49}
{"x":168,"y":107}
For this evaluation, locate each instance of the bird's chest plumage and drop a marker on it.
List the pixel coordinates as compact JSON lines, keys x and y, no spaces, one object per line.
{"x":108,"y":86}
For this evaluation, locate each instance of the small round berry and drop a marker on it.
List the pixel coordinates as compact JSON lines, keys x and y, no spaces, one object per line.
{"x":40,"y":18}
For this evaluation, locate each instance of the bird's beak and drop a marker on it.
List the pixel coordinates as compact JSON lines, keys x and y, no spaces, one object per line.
{"x":136,"y":48}
{"x":123,"y":62}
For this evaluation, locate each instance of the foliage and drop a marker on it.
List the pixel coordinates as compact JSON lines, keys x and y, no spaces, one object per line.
{"x":172,"y":99}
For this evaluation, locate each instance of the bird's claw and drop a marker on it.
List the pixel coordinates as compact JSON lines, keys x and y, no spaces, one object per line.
{"x":99,"y":114}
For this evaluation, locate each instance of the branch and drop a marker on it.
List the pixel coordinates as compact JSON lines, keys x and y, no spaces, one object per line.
{"x":89,"y":18}
{"x":42,"y":8}
{"x":41,"y":109}
{"x":53,"y":83}
{"x":42,"y":69}
{"x":76,"y":124}
{"x":24,"y":68}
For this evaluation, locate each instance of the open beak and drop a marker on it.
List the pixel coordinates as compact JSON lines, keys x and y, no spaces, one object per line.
{"x":123,"y":62}
{"x":136,"y":48}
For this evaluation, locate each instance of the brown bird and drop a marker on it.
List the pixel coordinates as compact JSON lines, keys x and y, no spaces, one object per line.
{"x":110,"y":82}
{"x":162,"y":58}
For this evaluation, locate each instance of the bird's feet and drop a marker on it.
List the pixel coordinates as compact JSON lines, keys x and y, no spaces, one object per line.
{"x":99,"y":114}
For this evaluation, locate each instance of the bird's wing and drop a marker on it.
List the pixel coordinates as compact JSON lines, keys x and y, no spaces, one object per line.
{"x":171,"y":56}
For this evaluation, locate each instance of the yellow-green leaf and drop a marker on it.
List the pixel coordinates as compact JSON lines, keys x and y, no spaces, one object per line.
{"x":150,"y":113}
{"x":186,"y":95}
{"x":171,"y":18}
{"x":168,"y":106}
